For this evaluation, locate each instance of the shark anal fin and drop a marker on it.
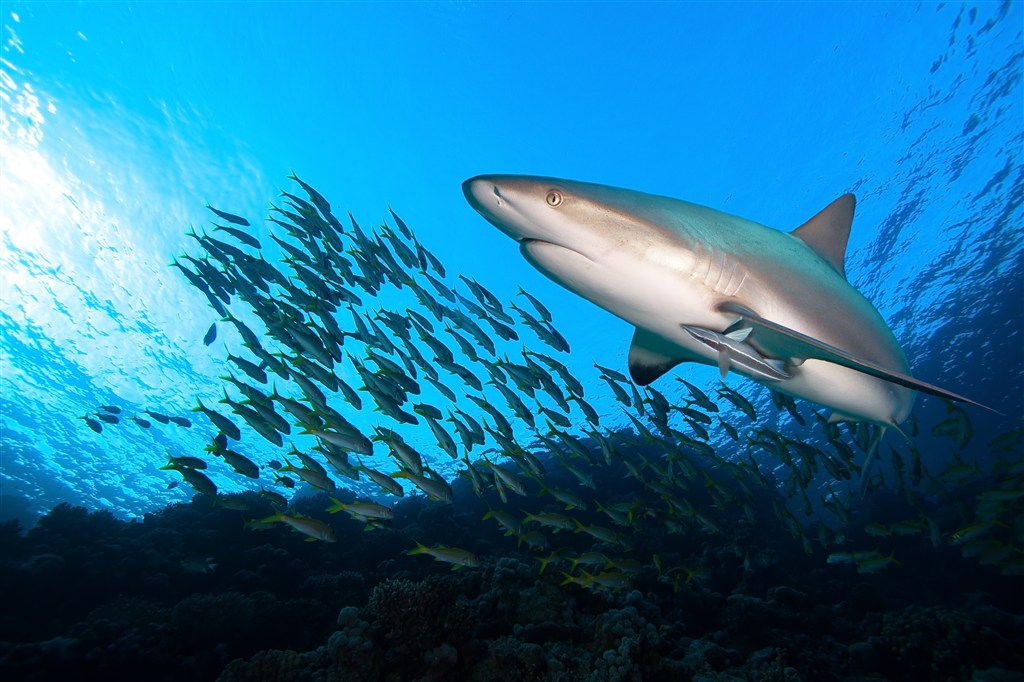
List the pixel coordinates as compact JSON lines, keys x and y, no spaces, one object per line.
{"x":650,"y":356}
{"x":799,"y":345}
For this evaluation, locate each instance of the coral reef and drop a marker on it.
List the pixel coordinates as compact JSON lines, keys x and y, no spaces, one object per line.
{"x":184,"y":595}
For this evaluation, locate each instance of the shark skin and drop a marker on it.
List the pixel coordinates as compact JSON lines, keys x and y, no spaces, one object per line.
{"x":672,"y":268}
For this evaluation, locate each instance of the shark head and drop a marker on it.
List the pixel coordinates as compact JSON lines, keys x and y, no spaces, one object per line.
{"x":591,"y":239}
{"x":539,"y":213}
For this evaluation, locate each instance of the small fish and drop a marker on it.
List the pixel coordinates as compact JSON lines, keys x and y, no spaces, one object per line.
{"x":506,"y":520}
{"x":570,"y":499}
{"x":276,"y":499}
{"x":241,"y":236}
{"x":1006,"y":442}
{"x":534,"y":539}
{"x":589,"y":559}
{"x":507,"y":478}
{"x":383,"y":480}
{"x":230,"y":217}
{"x":183,"y":461}
{"x":220,"y":421}
{"x":240,"y":463}
{"x":92,"y":423}
{"x":610,"y":580}
{"x":1008,"y":495}
{"x":972,"y":531}
{"x":556,"y":555}
{"x":451,"y":555}
{"x":232,"y":502}
{"x":197,"y":479}
{"x":875,"y":563}
{"x":551,"y":520}
{"x":434,"y":487}
{"x":601,"y":534}
{"x":362,"y":510}
{"x":349,"y":441}
{"x":427,"y":411}
{"x":544,"y":313}
{"x":317,"y":479}
{"x":112,"y":409}
{"x":314,"y":528}
{"x":739,"y":401}
{"x":402,"y":451}
{"x":878,"y":530}
{"x":211,"y":335}
{"x":443,"y":438}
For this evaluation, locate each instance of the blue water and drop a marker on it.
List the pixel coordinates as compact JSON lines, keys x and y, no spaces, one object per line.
{"x":121,"y":121}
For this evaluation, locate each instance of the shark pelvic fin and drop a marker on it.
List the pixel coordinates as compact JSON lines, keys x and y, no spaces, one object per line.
{"x":650,"y":356}
{"x":723,"y":361}
{"x":786,"y":342}
{"x":828,"y":232}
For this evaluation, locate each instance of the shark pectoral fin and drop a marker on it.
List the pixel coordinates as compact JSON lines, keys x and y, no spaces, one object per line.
{"x":650,"y":356}
{"x":723,"y":361}
{"x":786,"y":342}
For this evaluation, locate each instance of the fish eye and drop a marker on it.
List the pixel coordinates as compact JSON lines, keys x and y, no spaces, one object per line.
{"x":554,"y":198}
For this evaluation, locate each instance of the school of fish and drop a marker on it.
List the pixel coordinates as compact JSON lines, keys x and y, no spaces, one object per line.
{"x":505,"y":407}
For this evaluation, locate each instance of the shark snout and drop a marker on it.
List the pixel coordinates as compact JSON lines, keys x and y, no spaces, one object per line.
{"x":484,"y":193}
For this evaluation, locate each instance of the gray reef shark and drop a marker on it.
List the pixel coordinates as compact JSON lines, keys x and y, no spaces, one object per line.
{"x":704,"y":286}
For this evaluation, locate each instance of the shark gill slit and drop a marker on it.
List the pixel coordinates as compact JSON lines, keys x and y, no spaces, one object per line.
{"x":733,"y":267}
{"x":721,"y":271}
{"x":733,"y":291}
{"x":703,"y":262}
{"x":709,"y":266}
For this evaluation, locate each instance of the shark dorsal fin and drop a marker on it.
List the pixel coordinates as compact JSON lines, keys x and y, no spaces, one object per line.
{"x":828,"y":232}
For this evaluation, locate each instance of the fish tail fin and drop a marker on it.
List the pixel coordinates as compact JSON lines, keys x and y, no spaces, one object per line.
{"x":420,"y":549}
{"x":870,"y":457}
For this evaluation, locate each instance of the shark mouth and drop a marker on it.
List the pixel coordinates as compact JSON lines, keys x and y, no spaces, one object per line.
{"x":530,"y":245}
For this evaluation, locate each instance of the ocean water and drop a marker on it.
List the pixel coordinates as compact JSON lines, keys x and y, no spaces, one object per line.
{"x":739,"y":540}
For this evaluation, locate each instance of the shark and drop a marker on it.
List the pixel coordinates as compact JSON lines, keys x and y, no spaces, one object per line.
{"x":703,"y":286}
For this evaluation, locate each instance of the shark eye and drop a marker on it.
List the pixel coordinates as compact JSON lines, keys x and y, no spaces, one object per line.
{"x":554,"y":198}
